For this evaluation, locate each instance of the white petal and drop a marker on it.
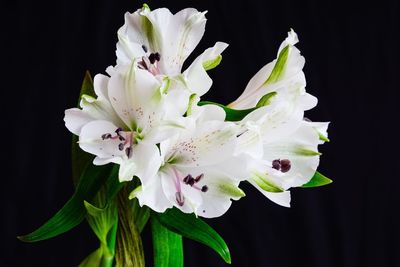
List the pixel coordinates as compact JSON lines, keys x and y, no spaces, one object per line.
{"x":127,"y":169}
{"x":153,"y":196}
{"x":280,"y":198}
{"x":301,"y":148}
{"x":147,"y":159}
{"x":132,"y":92}
{"x":131,"y":37}
{"x":90,"y":139}
{"x":191,"y":197}
{"x":196,"y":77}
{"x":185,"y":30}
{"x":290,"y":80}
{"x":209,"y":143}
{"x":221,"y":190}
{"x":75,"y":119}
{"x":254,"y":91}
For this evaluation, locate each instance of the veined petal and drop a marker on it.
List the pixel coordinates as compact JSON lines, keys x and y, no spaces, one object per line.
{"x":185,"y":30}
{"x":301,"y":149}
{"x":189,"y":198}
{"x":284,"y":73}
{"x":196,"y":77}
{"x":132,"y":92}
{"x":75,"y":119}
{"x":153,"y":196}
{"x":280,"y":198}
{"x":221,"y":190}
{"x":132,"y":36}
{"x":209,"y":143}
{"x":321,"y":128}
{"x":127,"y":169}
{"x":90,"y":139}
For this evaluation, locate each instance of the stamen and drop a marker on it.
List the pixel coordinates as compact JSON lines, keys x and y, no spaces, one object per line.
{"x":144,"y":48}
{"x":128,"y":152}
{"x":119,"y":129}
{"x":198,"y":178}
{"x":106,"y":136}
{"x":204,"y":188}
{"x":121,"y":146}
{"x":180,"y":199}
{"x":152,"y":58}
{"x":189,"y":180}
{"x":285,"y":165}
{"x":157,"y":56}
{"x":276,"y":164}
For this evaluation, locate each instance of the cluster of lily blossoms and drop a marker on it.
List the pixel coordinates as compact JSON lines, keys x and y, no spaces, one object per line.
{"x":146,"y":119}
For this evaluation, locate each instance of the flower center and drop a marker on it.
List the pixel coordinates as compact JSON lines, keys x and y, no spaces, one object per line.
{"x":126,"y":139}
{"x":150,"y":62}
{"x":282,"y":165}
{"x":188,"y":180}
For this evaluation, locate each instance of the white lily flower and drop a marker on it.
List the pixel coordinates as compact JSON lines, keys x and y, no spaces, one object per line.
{"x":285,"y":161}
{"x":161,"y":42}
{"x":132,"y":113}
{"x":284,"y":74}
{"x":193,"y":175}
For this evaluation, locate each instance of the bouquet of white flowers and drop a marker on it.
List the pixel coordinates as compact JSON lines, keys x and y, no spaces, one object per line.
{"x":147,"y":148}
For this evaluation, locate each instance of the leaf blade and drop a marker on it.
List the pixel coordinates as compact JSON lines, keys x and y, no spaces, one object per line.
{"x":167,"y":246}
{"x":74,"y":211}
{"x":189,"y":226}
{"x":317,"y":180}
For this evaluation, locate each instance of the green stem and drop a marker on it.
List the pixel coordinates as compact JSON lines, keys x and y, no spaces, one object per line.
{"x":108,"y":257}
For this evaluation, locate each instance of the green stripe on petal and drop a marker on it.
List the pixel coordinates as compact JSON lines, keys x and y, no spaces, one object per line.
{"x":212,"y":63}
{"x":306,"y":152}
{"x":323,"y":137}
{"x":231,"y":190}
{"x":266,"y":99}
{"x":279,"y":67}
{"x":262,"y":181}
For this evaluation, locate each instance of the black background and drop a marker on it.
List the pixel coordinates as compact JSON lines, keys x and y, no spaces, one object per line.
{"x":352,"y":66}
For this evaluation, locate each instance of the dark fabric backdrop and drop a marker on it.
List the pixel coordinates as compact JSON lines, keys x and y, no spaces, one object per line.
{"x":352,"y":66}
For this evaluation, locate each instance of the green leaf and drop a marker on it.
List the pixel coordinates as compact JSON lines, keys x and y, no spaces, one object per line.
{"x":79,"y":157}
{"x":279,"y":67}
{"x":231,"y":114}
{"x":74,"y":211}
{"x":212,"y":63}
{"x":317,"y":180}
{"x":167,"y":246}
{"x":94,"y":259}
{"x":266,"y":99}
{"x":189,"y":226}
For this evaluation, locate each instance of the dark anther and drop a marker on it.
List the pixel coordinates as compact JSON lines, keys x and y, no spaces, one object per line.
{"x":204,"y":188}
{"x":198,"y":178}
{"x":276,"y":164}
{"x":106,"y":136}
{"x":152,"y":58}
{"x":189,"y":180}
{"x":128,"y":152}
{"x":121,"y":138}
{"x":121,"y":146}
{"x":157,"y":56}
{"x":144,"y":48}
{"x":180,"y":199}
{"x":118,"y":130}
{"x":285,"y":165}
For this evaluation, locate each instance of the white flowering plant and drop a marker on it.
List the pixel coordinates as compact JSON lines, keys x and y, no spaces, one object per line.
{"x":147,"y":148}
